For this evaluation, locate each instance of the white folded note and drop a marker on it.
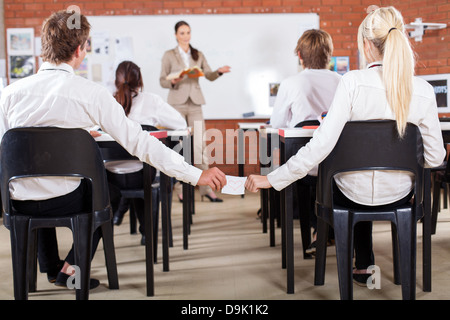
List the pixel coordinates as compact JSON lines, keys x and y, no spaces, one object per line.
{"x":235,"y":185}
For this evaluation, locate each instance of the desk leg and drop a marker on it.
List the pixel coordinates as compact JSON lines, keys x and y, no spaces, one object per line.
{"x":283,"y":227}
{"x":304,"y":194}
{"x":289,"y":233}
{"x":272,"y":209}
{"x":241,"y":152}
{"x":164,"y":185}
{"x":426,"y":231}
{"x":186,"y":214}
{"x":148,"y":229}
{"x":264,"y":208}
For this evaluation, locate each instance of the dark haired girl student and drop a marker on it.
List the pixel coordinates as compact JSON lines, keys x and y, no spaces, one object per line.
{"x":185,"y":94}
{"x":385,"y":89}
{"x":145,"y":108}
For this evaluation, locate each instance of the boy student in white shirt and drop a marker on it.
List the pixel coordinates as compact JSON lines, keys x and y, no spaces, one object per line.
{"x":304,"y":96}
{"x":307,"y":94}
{"x":371,"y":93}
{"x":145,"y":108}
{"x":55,"y":96}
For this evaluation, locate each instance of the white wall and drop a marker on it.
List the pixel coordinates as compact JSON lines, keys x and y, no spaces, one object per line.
{"x":258,"y":47}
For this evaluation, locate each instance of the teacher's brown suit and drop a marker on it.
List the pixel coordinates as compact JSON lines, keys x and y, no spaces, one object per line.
{"x":186,"y":96}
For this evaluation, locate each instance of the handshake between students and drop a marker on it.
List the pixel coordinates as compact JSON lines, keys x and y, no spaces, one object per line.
{"x":216,"y":179}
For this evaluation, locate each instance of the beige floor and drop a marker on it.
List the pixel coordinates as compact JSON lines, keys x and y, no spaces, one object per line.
{"x":229,"y":258}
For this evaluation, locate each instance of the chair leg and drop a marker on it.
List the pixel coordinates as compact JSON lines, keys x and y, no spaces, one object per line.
{"x":32,"y":261}
{"x":19,"y":244}
{"x":436,"y":203}
{"x":110,"y":255}
{"x":343,"y":235}
{"x":395,"y":254}
{"x":321,"y":252}
{"x":155,"y":211}
{"x":304,"y":216}
{"x":82,"y":252}
{"x":133,"y":220}
{"x":406,"y":230}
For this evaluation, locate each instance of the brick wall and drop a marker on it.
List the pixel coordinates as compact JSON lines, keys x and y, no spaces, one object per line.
{"x":340,"y":18}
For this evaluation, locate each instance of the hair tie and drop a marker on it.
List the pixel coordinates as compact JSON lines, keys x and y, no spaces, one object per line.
{"x":391,"y":30}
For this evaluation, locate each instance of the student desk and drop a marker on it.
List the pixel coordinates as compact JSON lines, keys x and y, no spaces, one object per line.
{"x":268,"y":145}
{"x":106,"y":141}
{"x":245,"y":126}
{"x":291,"y":140}
{"x":428,"y":225}
{"x":181,"y":141}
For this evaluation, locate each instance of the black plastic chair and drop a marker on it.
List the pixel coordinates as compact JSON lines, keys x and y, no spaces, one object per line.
{"x":47,"y":151}
{"x":441,"y":181}
{"x":112,"y":151}
{"x":370,"y":145}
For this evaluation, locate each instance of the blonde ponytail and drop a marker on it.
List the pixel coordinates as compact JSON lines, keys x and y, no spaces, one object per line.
{"x":385,"y":29}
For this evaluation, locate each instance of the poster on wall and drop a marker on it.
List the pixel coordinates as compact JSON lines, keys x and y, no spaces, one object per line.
{"x":21,"y":66}
{"x":20,"y":49}
{"x":340,"y":65}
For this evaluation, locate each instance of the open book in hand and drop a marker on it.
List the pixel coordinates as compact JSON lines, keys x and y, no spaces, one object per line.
{"x":193,"y":72}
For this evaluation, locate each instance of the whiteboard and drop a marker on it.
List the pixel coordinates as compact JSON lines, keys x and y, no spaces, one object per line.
{"x":259,"y":48}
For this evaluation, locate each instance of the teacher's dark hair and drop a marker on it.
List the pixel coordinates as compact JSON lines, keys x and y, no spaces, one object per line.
{"x":128,"y":84}
{"x":194,"y":52}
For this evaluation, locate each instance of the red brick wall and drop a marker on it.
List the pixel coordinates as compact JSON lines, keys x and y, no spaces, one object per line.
{"x":340,"y":18}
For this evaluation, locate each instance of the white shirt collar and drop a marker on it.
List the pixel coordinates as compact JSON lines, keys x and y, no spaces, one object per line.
{"x":375,"y":64}
{"x":61,"y":66}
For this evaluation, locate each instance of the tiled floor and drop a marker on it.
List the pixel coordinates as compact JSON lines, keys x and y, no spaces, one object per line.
{"x":229,"y":258}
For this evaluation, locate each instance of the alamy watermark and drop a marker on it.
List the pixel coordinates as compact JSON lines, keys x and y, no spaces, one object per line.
{"x":374,"y":281}
{"x":74,"y":281}
{"x":74,"y":21}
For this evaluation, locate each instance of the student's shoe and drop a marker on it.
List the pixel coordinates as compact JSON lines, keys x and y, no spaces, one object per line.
{"x":51,"y":275}
{"x":61,"y":281}
{"x":361,"y":278}
{"x":211,"y":198}
{"x":124,"y":206}
{"x":312,"y":248}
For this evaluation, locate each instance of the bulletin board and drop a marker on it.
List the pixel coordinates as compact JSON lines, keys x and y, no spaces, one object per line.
{"x":259,"y":48}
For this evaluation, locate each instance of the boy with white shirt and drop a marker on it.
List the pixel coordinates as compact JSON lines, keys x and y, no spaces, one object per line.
{"x":55,"y":96}
{"x":306,"y":95}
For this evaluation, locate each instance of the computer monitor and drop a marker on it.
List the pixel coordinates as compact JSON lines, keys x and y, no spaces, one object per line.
{"x":440,"y":83}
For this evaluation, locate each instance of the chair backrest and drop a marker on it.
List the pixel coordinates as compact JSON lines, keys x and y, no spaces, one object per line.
{"x":307,"y":123}
{"x":148,"y":127}
{"x":372,"y":145}
{"x":51,"y":151}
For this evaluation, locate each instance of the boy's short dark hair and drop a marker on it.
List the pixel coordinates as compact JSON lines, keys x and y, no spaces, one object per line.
{"x":315,"y":48}
{"x":60,"y":38}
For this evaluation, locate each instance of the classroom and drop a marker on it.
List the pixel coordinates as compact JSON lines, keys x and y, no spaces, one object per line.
{"x":225,"y":201}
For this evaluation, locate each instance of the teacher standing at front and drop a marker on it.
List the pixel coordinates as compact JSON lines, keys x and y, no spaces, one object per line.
{"x":185,"y":94}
